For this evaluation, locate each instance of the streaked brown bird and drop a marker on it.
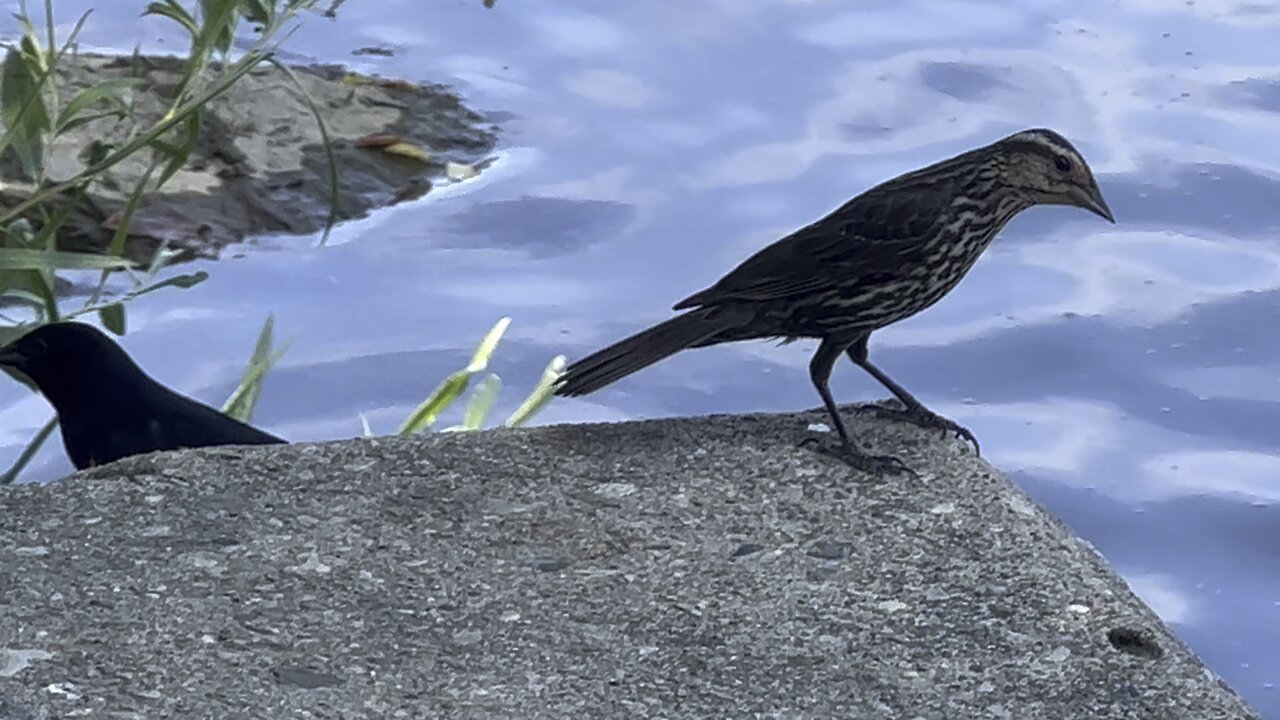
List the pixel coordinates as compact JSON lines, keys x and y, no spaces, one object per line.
{"x":881,"y":257}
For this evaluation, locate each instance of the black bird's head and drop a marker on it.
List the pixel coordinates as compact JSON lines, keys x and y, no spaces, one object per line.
{"x":1048,"y":170}
{"x":68,"y":360}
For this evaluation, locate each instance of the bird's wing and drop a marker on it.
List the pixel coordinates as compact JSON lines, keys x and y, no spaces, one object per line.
{"x":872,"y":234}
{"x":180,"y":422}
{"x":167,"y":422}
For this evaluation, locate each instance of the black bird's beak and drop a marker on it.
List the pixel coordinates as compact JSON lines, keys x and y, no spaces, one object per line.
{"x":10,"y":357}
{"x":1091,"y":199}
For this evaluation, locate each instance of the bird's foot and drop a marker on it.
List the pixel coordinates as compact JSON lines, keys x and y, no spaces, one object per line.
{"x":926,"y":419}
{"x":846,"y":453}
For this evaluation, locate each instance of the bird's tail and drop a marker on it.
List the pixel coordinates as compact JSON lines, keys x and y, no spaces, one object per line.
{"x":642,"y":350}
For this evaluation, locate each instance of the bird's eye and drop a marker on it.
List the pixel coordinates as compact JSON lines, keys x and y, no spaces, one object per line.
{"x":1062,"y":163}
{"x":35,"y":348}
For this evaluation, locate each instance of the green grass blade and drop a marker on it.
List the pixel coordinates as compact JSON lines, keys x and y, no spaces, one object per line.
{"x":219,"y":20}
{"x":105,"y":90}
{"x":131,"y":207}
{"x":30,"y":286}
{"x":330,"y":158}
{"x":9,"y":333}
{"x":262,"y":348}
{"x":17,"y":124}
{"x":28,"y":452}
{"x":121,"y":234}
{"x":426,"y":414}
{"x":51,"y":40}
{"x":484,"y":351}
{"x":12,"y":127}
{"x":244,"y":398}
{"x":172,"y":10}
{"x":72,"y":37}
{"x":112,"y":317}
{"x":541,"y":395}
{"x":447,"y":392}
{"x":185,"y":281}
{"x":49,"y":58}
{"x":22,"y":102}
{"x":127,"y":150}
{"x":39,"y":302}
{"x":178,"y":281}
{"x":176,"y":156}
{"x":86,"y":119}
{"x":31,"y":259}
{"x":482,"y":399}
{"x":365,"y":426}
{"x":47,"y":237}
{"x":259,"y":12}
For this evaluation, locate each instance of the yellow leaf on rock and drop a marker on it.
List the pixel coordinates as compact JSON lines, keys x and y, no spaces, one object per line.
{"x":404,"y":149}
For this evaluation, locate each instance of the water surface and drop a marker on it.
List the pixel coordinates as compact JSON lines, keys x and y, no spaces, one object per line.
{"x":1127,"y":376}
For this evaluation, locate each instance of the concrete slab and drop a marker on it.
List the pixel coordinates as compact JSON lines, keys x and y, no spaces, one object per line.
{"x":687,"y":568}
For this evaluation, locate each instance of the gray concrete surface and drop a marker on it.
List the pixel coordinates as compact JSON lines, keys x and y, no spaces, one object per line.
{"x":690,"y":568}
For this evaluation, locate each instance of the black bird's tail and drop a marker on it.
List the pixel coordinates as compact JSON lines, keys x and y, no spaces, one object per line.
{"x":642,"y":350}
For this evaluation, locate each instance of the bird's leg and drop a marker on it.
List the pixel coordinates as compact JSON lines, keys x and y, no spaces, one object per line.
{"x":820,"y":372}
{"x":914,"y":411}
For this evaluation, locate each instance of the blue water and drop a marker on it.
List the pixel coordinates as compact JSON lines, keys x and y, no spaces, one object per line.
{"x":1128,"y":376}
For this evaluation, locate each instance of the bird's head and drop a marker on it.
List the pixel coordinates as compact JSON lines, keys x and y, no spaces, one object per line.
{"x":1048,"y":169}
{"x":66,"y":357}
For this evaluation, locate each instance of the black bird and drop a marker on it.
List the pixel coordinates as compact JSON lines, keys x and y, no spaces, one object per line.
{"x":881,"y":257}
{"x":108,"y":408}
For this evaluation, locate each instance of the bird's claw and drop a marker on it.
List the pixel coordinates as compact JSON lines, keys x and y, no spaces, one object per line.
{"x":927,"y":420}
{"x":858,"y":460}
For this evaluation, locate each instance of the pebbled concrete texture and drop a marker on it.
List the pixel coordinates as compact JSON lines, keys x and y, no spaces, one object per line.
{"x":684,"y":568}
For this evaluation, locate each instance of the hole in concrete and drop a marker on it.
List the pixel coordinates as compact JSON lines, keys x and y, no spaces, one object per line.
{"x":304,"y":678}
{"x":1134,"y":641}
{"x":829,"y":550}
{"x":549,"y":564}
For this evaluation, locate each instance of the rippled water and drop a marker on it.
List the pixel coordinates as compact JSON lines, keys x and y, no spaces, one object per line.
{"x":1126,"y":375}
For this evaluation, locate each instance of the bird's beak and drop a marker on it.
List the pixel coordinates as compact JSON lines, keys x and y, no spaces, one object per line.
{"x":10,"y":357}
{"x":1091,"y":199}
